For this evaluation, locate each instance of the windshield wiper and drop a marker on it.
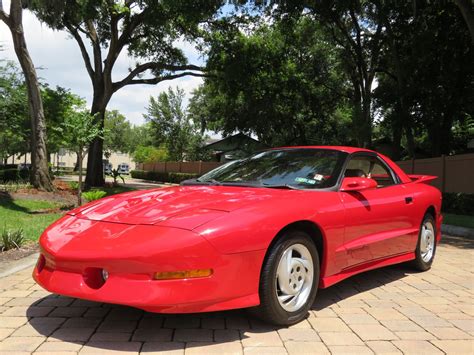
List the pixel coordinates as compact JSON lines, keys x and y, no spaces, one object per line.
{"x":281,"y":186}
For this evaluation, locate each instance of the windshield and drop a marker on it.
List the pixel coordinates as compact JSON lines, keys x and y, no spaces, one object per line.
{"x":298,"y":168}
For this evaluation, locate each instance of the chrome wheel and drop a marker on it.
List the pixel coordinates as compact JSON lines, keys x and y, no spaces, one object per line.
{"x":294,"y":277}
{"x":427,"y":241}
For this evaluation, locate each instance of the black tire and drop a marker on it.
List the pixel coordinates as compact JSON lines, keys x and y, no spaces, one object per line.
{"x":270,"y":309}
{"x":420,"y":264}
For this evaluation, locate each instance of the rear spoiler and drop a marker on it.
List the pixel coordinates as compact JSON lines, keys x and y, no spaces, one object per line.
{"x":422,"y":178}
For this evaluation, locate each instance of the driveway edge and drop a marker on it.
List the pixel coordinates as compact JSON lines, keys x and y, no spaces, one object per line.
{"x":18,"y":265}
{"x":457,"y":231}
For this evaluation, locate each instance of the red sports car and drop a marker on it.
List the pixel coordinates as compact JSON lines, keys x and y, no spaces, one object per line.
{"x":263,"y":232}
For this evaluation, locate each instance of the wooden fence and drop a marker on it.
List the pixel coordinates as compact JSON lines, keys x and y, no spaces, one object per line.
{"x":193,"y":167}
{"x":455,"y":173}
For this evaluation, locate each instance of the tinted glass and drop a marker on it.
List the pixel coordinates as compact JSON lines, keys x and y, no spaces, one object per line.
{"x":369,"y":167}
{"x":300,"y":168}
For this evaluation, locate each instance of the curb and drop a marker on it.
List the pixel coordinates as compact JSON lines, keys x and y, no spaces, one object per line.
{"x":457,"y":231}
{"x":19,"y":265}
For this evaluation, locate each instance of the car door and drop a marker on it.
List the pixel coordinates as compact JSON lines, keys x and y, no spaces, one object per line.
{"x":378,"y":222}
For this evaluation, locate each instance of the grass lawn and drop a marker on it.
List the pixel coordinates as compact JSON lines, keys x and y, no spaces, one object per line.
{"x":15,"y":214}
{"x":116,"y":189}
{"x":458,"y":220}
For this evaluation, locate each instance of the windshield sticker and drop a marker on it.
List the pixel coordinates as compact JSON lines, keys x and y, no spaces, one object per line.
{"x":305,"y":181}
{"x":318,"y":177}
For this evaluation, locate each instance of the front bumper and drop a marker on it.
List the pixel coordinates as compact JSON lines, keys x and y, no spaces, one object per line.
{"x":72,"y":265}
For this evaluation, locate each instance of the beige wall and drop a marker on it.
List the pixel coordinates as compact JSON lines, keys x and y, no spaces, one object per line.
{"x":194,"y":167}
{"x":69,"y":160}
{"x":455,"y":173}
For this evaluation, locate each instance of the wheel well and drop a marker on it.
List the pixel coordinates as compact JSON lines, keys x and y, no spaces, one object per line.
{"x":312,"y":230}
{"x":431,"y":210}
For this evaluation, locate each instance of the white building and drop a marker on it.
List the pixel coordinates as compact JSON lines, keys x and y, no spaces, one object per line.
{"x":68,"y":160}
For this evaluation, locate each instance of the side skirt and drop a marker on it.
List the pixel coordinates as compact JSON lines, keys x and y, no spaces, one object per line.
{"x":374,"y":264}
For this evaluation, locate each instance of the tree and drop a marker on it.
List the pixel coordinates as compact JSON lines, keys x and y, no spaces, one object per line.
{"x":118,"y":133}
{"x":172,"y":126}
{"x":14,"y":116}
{"x":148,"y":29}
{"x":279,"y":82}
{"x":58,"y":104}
{"x":148,"y":154}
{"x":427,"y":85}
{"x":39,"y":176}
{"x":80,"y":128}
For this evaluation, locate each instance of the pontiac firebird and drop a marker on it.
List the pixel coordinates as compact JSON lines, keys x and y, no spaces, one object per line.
{"x":264,"y":233}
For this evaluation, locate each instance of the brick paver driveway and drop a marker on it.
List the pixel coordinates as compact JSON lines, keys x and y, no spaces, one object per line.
{"x":391,"y":310}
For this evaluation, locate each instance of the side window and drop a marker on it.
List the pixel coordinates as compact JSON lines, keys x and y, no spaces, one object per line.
{"x":369,"y":167}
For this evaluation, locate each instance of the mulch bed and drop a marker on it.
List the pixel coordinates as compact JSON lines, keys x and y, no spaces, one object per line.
{"x":16,"y":254}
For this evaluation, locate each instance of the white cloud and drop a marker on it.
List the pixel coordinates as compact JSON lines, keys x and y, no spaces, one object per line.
{"x":59,"y":62}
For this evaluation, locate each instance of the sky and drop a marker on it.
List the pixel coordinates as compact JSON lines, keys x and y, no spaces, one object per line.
{"x":59,"y":63}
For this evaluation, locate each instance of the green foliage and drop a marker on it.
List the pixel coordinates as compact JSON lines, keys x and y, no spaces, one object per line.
{"x":427,"y":86}
{"x":149,"y":154}
{"x":175,"y":178}
{"x":14,"y":115}
{"x":14,"y":175}
{"x":12,"y":239}
{"x":458,"y":203}
{"x":59,"y":104}
{"x":93,"y":195}
{"x":74,"y":185}
{"x":279,"y":82}
{"x":173,"y":127}
{"x":80,"y":128}
{"x":116,"y":175}
{"x":458,"y":220}
{"x":118,"y":133}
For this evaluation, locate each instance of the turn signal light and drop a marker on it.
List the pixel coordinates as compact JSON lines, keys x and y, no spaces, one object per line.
{"x":188,"y":274}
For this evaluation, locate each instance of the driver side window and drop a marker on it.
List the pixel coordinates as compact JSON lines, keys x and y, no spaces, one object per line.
{"x":369,"y":167}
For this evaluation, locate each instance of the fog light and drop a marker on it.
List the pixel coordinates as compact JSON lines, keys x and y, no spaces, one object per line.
{"x":105,"y":274}
{"x":187,"y":274}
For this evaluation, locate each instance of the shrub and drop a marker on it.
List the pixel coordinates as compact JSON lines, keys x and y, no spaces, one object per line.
{"x":12,"y":239}
{"x":14,"y":175}
{"x":74,"y":185}
{"x":458,"y":203}
{"x":175,"y":178}
{"x":93,"y":195}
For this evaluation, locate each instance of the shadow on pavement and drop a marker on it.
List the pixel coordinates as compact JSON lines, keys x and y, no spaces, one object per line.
{"x":113,"y":327}
{"x":458,"y":242}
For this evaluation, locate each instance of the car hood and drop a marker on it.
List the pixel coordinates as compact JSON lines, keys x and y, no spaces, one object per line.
{"x":184,"y":207}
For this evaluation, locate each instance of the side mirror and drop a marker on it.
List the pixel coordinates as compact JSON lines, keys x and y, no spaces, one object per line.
{"x":357,"y":184}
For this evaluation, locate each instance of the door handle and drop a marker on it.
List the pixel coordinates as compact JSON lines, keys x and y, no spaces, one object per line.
{"x":408,"y":200}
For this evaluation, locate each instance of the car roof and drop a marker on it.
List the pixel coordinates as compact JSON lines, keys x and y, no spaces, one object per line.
{"x":329,"y":147}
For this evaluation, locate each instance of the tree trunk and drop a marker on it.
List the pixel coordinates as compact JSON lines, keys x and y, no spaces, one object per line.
{"x":95,"y":170}
{"x":79,"y":186}
{"x":466,"y":8}
{"x":39,"y":175}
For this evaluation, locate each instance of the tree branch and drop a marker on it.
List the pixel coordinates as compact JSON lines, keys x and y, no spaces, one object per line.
{"x":96,"y":46}
{"x":152,"y":66}
{"x":3,"y":15}
{"x":74,"y":32}
{"x":157,"y":79}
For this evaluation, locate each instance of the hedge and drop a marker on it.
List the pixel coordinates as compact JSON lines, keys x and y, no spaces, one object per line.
{"x":458,"y":203}
{"x":175,"y":178}
{"x":14,"y":175}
